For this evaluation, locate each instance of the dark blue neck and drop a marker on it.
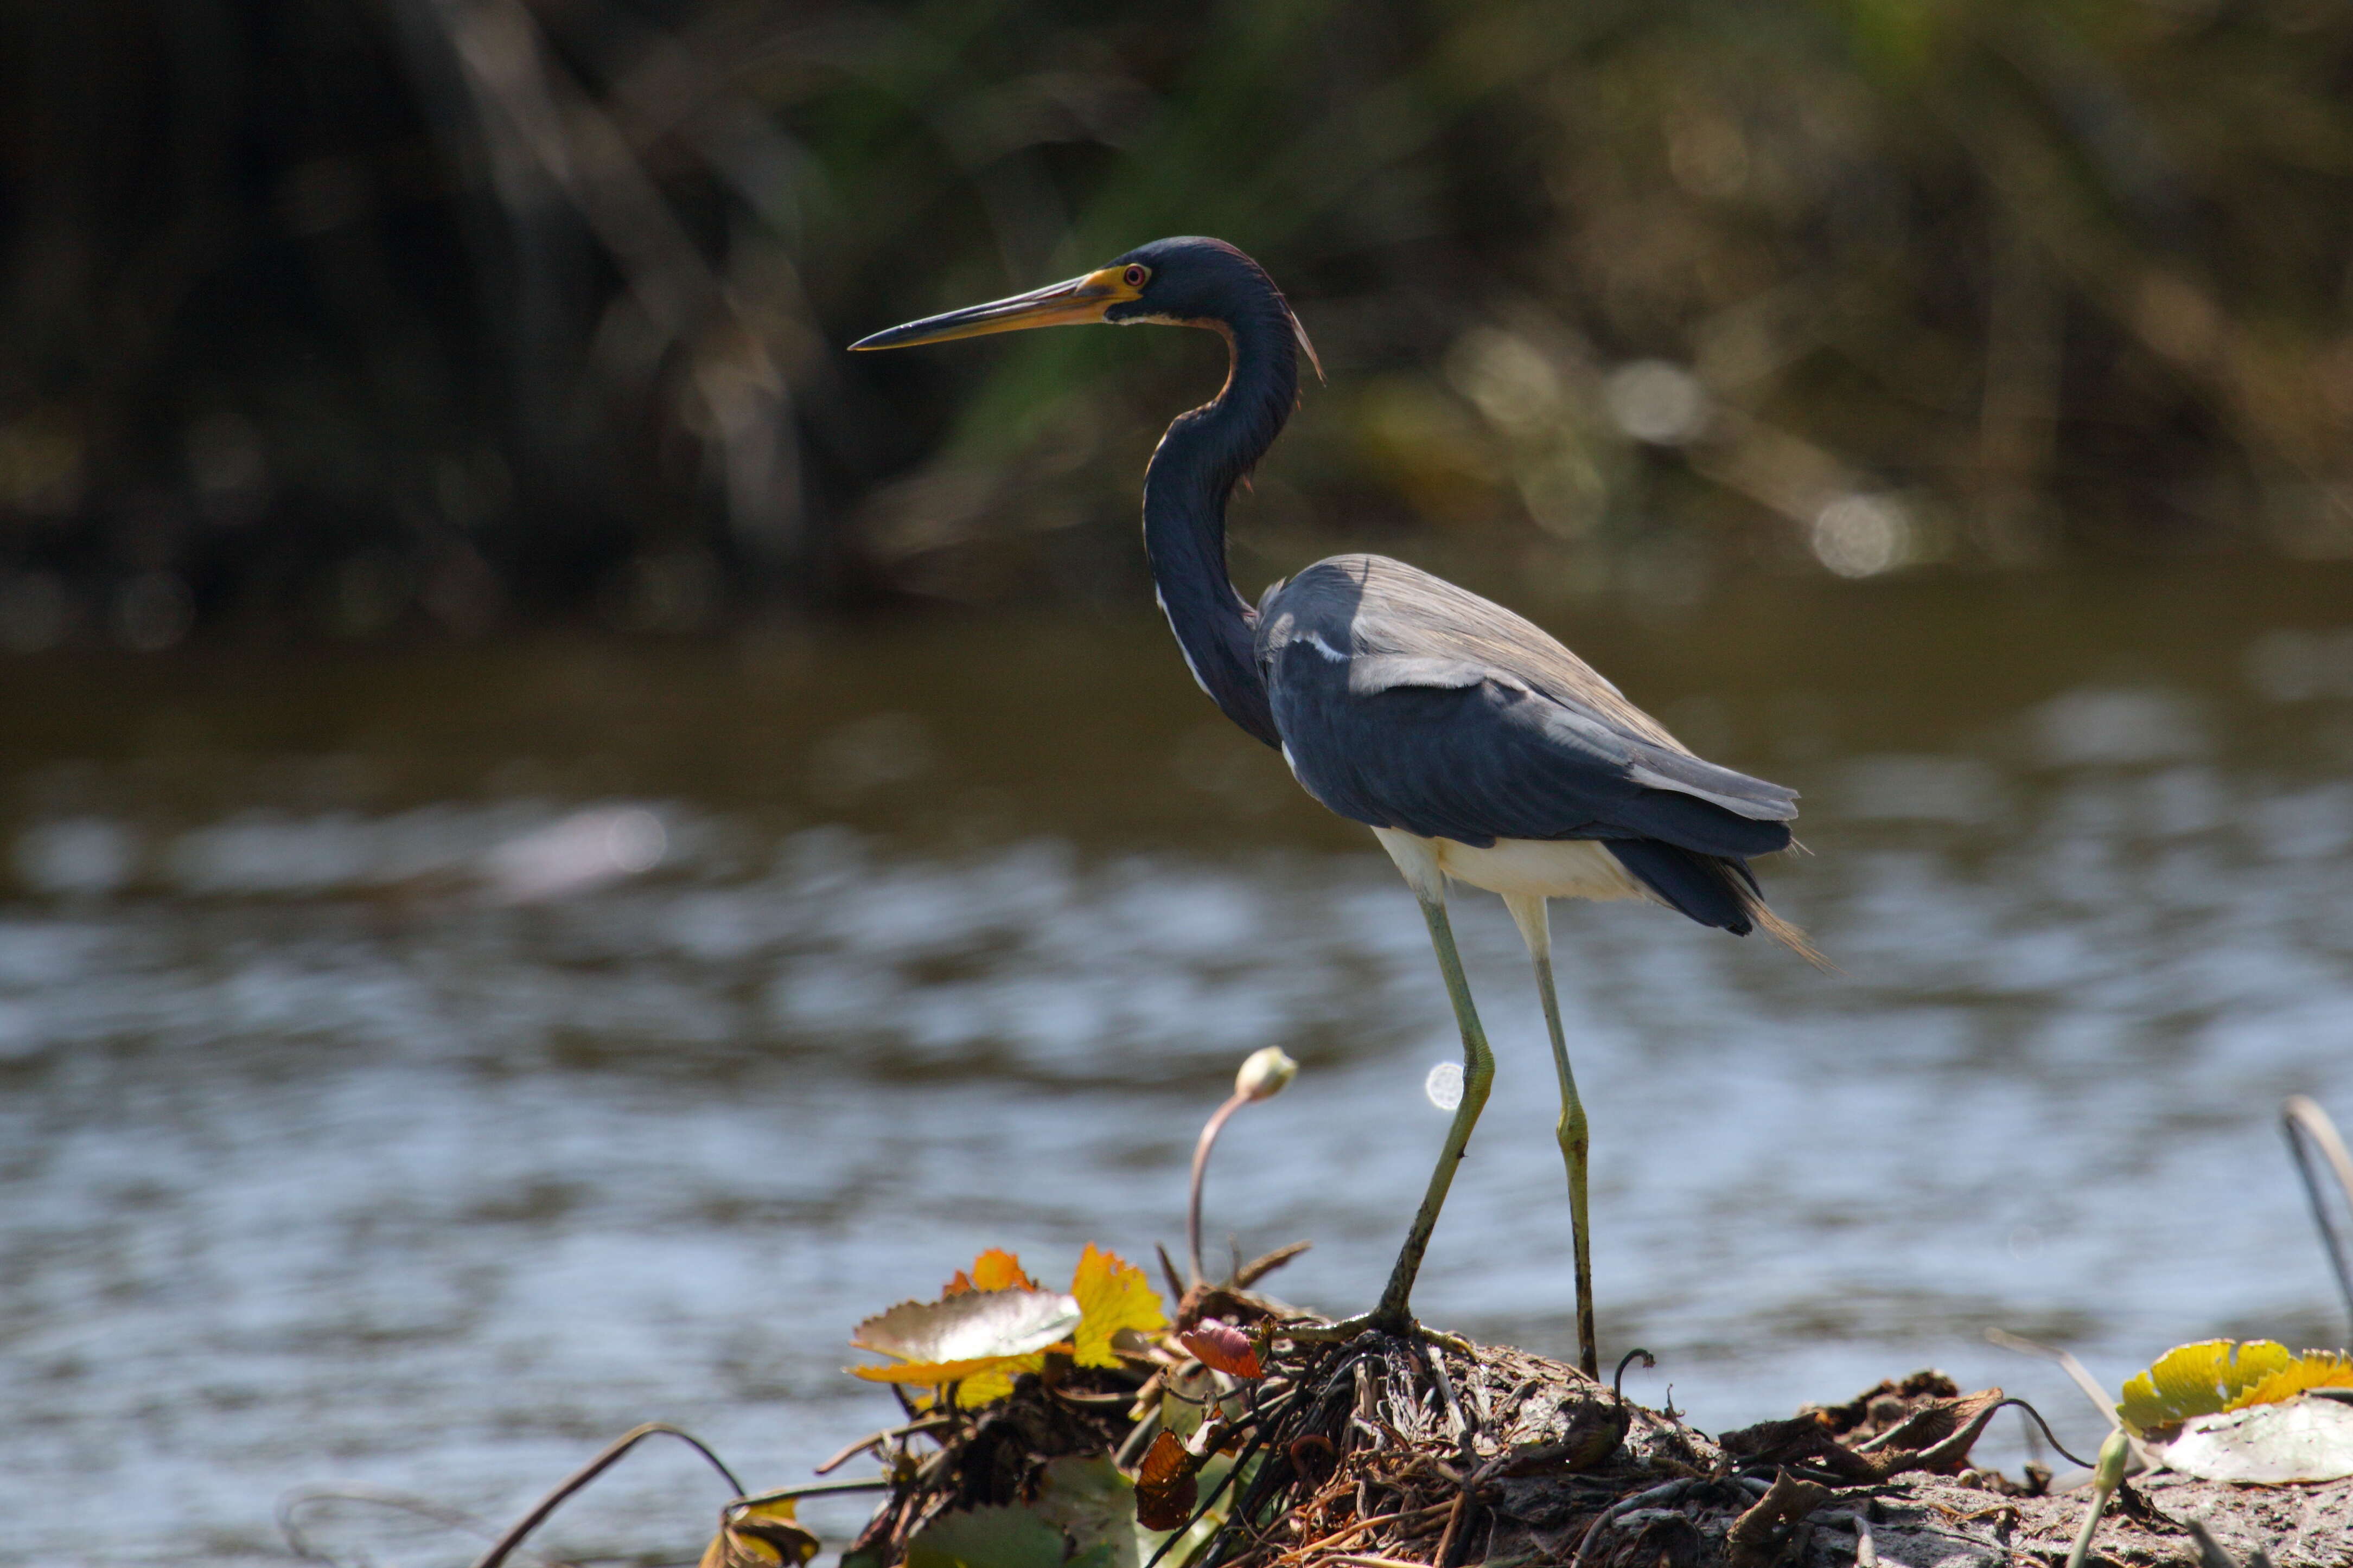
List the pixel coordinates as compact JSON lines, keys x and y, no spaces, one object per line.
{"x":1194,"y":469}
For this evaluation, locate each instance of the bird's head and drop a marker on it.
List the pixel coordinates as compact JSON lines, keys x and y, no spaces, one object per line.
{"x":1186,"y":281}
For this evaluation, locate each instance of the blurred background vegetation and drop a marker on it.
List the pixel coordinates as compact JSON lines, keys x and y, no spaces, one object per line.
{"x":407,"y":318}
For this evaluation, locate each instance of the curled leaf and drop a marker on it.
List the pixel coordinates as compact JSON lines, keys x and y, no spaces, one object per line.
{"x":947,"y":1340}
{"x":760,"y":1535}
{"x":1224,"y":1347}
{"x":2215,"y":1376}
{"x":1112,"y":1294}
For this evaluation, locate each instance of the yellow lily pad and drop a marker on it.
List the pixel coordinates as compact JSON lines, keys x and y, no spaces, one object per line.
{"x":994,"y":1324}
{"x":2215,"y":1376}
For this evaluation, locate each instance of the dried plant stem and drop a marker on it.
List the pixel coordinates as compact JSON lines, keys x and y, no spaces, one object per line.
{"x":588,"y":1472}
{"x":1210,"y":1131}
{"x":2304,"y":1123}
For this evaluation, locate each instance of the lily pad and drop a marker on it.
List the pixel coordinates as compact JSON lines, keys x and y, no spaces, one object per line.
{"x":943,"y":1342}
{"x":2305,"y":1439}
{"x":1010,"y":1537}
{"x":2215,"y":1376}
{"x":1095,"y":1507}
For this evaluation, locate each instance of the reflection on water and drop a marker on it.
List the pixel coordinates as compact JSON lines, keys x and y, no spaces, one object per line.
{"x":416,"y":1075}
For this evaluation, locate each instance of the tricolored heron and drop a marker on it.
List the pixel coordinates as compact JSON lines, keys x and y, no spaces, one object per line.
{"x":1473,"y":744}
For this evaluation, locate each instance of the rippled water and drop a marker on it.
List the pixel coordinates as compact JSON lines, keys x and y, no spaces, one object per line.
{"x":413,"y":1072}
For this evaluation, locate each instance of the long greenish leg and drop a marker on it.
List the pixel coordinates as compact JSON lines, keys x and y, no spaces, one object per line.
{"x":1478,"y":1074}
{"x":1576,"y":1142}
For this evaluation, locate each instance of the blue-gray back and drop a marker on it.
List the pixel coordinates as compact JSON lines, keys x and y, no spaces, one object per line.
{"x":1404,"y":701}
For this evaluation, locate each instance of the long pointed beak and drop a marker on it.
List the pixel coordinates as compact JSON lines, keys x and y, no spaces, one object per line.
{"x":1077,"y":302}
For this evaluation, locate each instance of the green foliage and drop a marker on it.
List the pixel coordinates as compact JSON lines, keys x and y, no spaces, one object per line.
{"x":1997,"y":278}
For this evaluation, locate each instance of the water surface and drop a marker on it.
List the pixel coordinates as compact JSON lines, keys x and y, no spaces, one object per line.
{"x":416,"y":1070}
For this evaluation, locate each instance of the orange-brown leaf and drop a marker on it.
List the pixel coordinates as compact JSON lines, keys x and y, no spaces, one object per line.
{"x":998,"y":1269}
{"x":1223,"y":1347}
{"x":1166,"y":1484}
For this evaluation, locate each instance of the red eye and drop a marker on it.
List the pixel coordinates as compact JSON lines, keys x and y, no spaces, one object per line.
{"x":1135,"y":276}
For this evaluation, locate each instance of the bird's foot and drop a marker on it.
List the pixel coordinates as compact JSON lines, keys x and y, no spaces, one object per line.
{"x":1396,"y":1322}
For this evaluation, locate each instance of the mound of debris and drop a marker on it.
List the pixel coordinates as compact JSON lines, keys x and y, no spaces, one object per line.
{"x":1231,"y":1445}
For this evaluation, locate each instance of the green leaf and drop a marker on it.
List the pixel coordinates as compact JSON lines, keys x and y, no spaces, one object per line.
{"x":1095,"y":1507}
{"x":988,"y":1538}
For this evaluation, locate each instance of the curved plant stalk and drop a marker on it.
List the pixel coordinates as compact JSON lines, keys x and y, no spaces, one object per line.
{"x":588,"y":1472}
{"x":1264,"y":1074}
{"x":2305,"y":1123}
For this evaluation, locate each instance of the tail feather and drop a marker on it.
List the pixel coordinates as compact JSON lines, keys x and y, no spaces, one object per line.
{"x":1715,"y":890}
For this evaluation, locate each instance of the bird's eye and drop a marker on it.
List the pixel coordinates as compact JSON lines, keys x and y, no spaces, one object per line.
{"x":1136,"y":276}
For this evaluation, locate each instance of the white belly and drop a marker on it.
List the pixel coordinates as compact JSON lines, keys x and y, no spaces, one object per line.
{"x":1539,"y":869}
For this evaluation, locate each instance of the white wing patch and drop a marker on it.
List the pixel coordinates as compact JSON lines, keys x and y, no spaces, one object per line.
{"x":1315,"y":640}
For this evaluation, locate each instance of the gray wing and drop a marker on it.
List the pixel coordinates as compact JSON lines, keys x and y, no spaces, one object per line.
{"x":1404,"y":702}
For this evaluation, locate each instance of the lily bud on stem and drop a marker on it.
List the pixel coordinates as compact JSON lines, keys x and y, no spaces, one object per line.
{"x":1264,"y":1074}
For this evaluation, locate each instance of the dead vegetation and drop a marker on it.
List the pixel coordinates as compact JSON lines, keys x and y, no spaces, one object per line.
{"x":1392,"y":1453}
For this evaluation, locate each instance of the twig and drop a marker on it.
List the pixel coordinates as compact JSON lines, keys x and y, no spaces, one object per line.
{"x":1453,"y":1524}
{"x":929,"y":1423}
{"x":1137,"y":1440}
{"x":816,"y":1489}
{"x":1258,"y":1268}
{"x":1299,"y":1553}
{"x":588,"y":1472}
{"x":1666,"y":1493}
{"x":1436,"y":1361}
{"x":1168,"y":1272}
